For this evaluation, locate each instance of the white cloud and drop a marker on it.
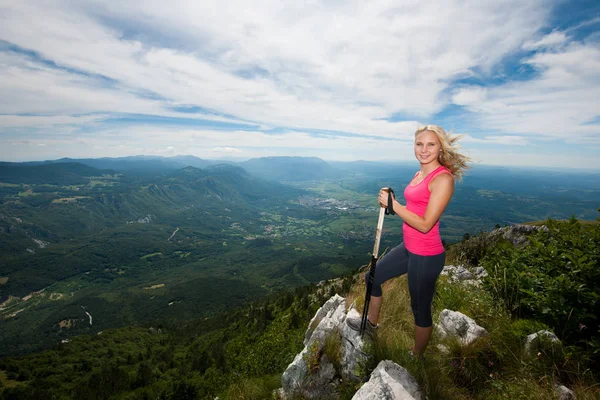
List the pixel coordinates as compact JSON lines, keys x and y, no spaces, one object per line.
{"x":226,"y":150}
{"x":471,"y":96}
{"x":533,"y":159}
{"x":557,"y":103}
{"x":339,"y":66}
{"x":507,"y":140}
{"x":304,"y":66}
{"x":15,"y":121}
{"x":554,"y":39}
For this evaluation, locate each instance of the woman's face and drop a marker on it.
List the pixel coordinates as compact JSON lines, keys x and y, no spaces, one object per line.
{"x":427,"y":147}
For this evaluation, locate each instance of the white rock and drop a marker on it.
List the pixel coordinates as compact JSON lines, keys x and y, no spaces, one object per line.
{"x":353,"y":348}
{"x":480,"y":272}
{"x":516,"y":234}
{"x":448,"y":270}
{"x":460,"y":273}
{"x":472,"y":282}
{"x":319,"y":384}
{"x":294,"y":375}
{"x":389,"y":381}
{"x":564,"y":393}
{"x":331,"y":315}
{"x":443,"y":349}
{"x":454,"y":323}
{"x":330,"y":319}
{"x":532,"y":341}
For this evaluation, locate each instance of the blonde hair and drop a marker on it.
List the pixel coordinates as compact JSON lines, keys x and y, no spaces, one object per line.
{"x":449,"y":156}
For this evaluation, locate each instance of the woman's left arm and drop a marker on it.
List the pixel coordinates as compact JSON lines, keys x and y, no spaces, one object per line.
{"x":442,"y":189}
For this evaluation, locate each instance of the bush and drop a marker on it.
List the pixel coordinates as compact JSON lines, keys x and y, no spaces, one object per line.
{"x":525,"y":327}
{"x":471,"y":366}
{"x":253,"y":388}
{"x":553,"y":279}
{"x":333,"y":350}
{"x":471,"y":250}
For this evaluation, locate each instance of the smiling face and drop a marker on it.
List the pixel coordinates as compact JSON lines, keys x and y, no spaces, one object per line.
{"x":427,"y":147}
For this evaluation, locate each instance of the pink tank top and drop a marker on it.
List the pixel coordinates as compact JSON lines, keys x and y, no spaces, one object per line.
{"x":417,"y":198}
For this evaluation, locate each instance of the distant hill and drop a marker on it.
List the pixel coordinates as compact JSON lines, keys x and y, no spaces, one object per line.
{"x":66,"y":173}
{"x":229,"y":182}
{"x":135,"y":165}
{"x":291,"y":168}
{"x":138,"y":165}
{"x":194,"y":161}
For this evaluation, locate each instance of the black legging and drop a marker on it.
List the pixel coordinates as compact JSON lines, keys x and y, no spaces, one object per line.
{"x":423,"y":272}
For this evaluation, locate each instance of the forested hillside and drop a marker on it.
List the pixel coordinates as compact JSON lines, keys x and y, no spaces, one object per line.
{"x":544,"y":280}
{"x":127,"y":249}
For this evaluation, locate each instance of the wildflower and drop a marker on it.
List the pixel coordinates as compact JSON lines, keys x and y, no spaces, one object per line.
{"x":582,"y":326}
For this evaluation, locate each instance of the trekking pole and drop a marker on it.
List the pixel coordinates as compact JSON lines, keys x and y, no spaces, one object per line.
{"x":371,"y":276}
{"x":382,"y":212}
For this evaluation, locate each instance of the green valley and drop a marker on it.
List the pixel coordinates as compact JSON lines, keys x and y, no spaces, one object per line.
{"x":85,"y":249}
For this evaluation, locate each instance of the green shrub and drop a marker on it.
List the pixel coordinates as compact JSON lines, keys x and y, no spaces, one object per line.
{"x":470,"y":366}
{"x":312,"y":357}
{"x":471,"y":250}
{"x":253,"y":388}
{"x":553,"y":279}
{"x":333,"y":350}
{"x":524,"y":327}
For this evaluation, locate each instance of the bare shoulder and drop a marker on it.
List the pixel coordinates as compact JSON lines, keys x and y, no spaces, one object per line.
{"x":442,"y":182}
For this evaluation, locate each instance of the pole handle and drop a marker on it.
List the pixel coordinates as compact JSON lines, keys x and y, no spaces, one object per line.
{"x":378,"y":231}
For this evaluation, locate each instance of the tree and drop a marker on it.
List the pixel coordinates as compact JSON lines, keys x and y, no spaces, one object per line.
{"x":145,"y":376}
{"x":185,"y":391}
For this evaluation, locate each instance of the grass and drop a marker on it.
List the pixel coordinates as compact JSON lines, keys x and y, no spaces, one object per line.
{"x":494,"y":367}
{"x":100,"y":182}
{"x":253,"y":388}
{"x":28,"y":192}
{"x":7,"y":383}
{"x":151,"y":255}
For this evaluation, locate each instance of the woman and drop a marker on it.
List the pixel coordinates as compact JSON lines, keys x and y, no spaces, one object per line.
{"x":421,"y":255}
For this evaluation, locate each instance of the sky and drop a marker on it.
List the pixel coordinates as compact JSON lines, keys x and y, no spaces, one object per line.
{"x":340,"y":80}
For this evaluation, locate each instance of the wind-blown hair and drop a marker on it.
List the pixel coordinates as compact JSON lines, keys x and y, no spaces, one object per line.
{"x":449,"y":157}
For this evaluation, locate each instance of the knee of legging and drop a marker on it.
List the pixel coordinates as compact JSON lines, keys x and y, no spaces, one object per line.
{"x":376,"y":291}
{"x":375,"y":287}
{"x":422,"y":316}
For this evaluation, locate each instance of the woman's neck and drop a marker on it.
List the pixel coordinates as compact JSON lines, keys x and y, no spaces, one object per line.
{"x":430,"y":167}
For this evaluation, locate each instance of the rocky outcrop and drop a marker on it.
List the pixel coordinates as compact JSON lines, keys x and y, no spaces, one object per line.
{"x":317,"y":372}
{"x":389,"y":381}
{"x":314,"y":374}
{"x":517,"y":234}
{"x":465,"y":275}
{"x":456,"y":324}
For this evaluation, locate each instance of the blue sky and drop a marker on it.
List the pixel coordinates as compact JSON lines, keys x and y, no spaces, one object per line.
{"x":338,"y":80}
